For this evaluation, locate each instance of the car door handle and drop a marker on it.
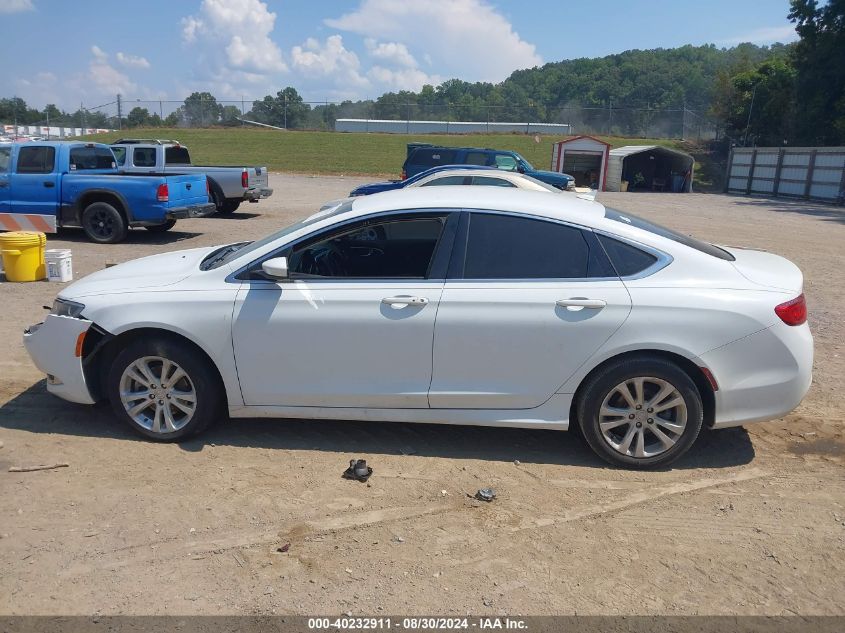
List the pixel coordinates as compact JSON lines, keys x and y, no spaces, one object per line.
{"x":4,"y":184}
{"x":49,"y":184}
{"x":409,"y":301}
{"x":576,"y":302}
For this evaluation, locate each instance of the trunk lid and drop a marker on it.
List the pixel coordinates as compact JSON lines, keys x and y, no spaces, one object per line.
{"x":767,"y":269}
{"x":186,"y":190}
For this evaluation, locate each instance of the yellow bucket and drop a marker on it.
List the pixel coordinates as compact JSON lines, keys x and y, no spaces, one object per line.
{"x":23,"y":255}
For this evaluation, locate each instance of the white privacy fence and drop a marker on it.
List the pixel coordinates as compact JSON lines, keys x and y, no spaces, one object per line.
{"x":797,"y":172}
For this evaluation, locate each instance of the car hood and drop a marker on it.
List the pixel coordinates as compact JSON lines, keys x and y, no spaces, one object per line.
{"x":551,"y":176}
{"x":376,"y":187}
{"x":155,"y":271}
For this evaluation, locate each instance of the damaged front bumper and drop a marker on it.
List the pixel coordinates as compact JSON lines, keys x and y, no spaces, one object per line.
{"x":56,"y":348}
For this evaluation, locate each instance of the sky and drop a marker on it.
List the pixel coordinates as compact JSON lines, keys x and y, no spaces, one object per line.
{"x":73,"y":52}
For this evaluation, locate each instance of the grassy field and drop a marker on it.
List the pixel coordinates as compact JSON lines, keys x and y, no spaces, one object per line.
{"x":341,"y":153}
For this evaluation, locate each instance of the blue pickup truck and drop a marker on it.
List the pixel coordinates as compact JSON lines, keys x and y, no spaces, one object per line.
{"x":47,"y":185}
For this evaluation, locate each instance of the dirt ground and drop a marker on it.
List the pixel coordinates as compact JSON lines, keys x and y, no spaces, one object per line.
{"x":750,"y":522}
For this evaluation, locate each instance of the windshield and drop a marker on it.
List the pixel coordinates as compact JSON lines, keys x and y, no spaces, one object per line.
{"x":662,"y":231}
{"x":225,"y":254}
{"x":525,"y":162}
{"x":540,"y":184}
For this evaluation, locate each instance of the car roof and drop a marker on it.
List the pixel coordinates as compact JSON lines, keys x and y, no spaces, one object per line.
{"x":537,"y":203}
{"x":481,"y":170}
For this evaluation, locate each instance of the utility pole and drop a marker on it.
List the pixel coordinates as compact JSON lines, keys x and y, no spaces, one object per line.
{"x":286,"y":110}
{"x":119,"y":112}
{"x":610,"y":116}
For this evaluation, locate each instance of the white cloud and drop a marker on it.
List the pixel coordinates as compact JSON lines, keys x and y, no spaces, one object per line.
{"x":16,"y":6}
{"x":462,"y":38}
{"x":132,"y":61}
{"x":764,"y":35}
{"x":331,"y":59}
{"x":107,"y":78}
{"x":234,"y":41}
{"x":390,"y":52}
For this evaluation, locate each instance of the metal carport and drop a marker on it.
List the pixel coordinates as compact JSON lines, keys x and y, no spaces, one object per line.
{"x":660,"y":168}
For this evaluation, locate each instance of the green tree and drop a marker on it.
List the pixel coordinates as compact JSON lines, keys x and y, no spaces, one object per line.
{"x":286,"y":109}
{"x":201,"y":110}
{"x":138,"y":117}
{"x":819,"y":59}
{"x":230,"y":116}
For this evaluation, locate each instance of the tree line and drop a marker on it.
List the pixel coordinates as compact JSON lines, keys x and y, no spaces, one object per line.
{"x":764,"y":95}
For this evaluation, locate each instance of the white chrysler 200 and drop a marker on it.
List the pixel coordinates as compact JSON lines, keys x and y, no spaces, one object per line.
{"x":453,"y":305}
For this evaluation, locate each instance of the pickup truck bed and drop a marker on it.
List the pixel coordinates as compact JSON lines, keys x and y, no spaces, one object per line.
{"x":229,"y":185}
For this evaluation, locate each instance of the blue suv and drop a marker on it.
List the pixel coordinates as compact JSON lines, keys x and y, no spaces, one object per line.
{"x":423,"y":156}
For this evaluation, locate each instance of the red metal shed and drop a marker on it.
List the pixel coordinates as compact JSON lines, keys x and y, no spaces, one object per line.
{"x":585,"y":158}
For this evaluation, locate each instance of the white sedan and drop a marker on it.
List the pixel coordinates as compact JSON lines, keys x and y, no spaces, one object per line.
{"x":454,"y":305}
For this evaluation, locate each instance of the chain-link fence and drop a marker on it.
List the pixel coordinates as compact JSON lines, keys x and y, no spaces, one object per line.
{"x":611,"y":120}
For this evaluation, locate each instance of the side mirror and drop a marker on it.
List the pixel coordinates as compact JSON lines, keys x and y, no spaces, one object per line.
{"x":277,"y":268}
{"x":520,"y":169}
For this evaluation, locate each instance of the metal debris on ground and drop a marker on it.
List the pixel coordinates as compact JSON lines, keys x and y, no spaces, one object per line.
{"x":358,"y":470}
{"x":283,"y":548}
{"x":485,"y":494}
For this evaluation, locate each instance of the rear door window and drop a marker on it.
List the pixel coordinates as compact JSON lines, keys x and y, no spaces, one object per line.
{"x":477,"y":158}
{"x":489,"y":181}
{"x":87,"y":158}
{"x":448,"y":180}
{"x":512,"y":247}
{"x":144,"y":157}
{"x":36,"y":160}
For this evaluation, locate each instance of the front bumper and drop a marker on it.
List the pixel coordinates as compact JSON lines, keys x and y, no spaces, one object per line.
{"x":196,"y":211}
{"x":53,"y":346}
{"x":254,"y":195}
{"x":763,"y":376}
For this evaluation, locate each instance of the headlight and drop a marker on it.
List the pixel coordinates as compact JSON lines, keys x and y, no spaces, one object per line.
{"x":63,"y":307}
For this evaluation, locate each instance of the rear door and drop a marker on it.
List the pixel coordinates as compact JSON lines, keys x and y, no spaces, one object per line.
{"x":528,"y":301}
{"x":35,"y":183}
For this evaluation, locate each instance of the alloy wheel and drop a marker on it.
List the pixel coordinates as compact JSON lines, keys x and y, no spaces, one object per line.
{"x":158,"y":394}
{"x":643,"y":417}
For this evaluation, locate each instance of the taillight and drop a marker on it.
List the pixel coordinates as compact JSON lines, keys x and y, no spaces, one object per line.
{"x":404,"y":175}
{"x":793,"y":312}
{"x":244,"y":179}
{"x":163,"y":193}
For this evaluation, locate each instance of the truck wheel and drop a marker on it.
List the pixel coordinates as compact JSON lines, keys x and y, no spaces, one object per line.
{"x":161,"y":228}
{"x":230,"y":205}
{"x":103,"y":223}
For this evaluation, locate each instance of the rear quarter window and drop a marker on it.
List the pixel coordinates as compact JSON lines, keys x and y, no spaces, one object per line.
{"x":626,"y":259}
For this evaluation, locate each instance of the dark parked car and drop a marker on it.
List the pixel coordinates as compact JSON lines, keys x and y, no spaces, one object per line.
{"x":422,"y":156}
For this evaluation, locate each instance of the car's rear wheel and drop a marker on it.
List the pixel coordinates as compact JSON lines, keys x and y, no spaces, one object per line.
{"x":164,"y":390}
{"x":230,"y":205}
{"x":161,"y":228}
{"x":640,"y":413}
{"x":103,"y":223}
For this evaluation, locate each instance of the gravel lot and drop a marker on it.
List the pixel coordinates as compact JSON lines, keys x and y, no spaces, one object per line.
{"x":748,"y":523}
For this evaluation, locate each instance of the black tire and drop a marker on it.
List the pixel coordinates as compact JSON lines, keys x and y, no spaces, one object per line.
{"x":161,"y":228}
{"x":603,"y":385}
{"x":201,"y":380}
{"x":104,"y":224}
{"x":230,"y":205}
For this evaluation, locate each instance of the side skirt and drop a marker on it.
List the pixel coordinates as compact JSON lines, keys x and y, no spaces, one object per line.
{"x":553,"y":414}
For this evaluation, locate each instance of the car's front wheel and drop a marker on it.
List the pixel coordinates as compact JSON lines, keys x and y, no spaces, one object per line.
{"x":640,"y":413}
{"x":164,"y":389}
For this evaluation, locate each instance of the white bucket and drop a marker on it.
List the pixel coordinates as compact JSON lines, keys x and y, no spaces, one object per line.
{"x":59,"y":264}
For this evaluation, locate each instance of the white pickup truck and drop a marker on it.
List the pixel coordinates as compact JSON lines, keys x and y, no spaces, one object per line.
{"x":228,"y":186}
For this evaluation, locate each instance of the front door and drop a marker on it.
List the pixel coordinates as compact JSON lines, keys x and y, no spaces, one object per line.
{"x":354,"y":325}
{"x":5,"y":164}
{"x":35,"y":184}
{"x":535,"y":299}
